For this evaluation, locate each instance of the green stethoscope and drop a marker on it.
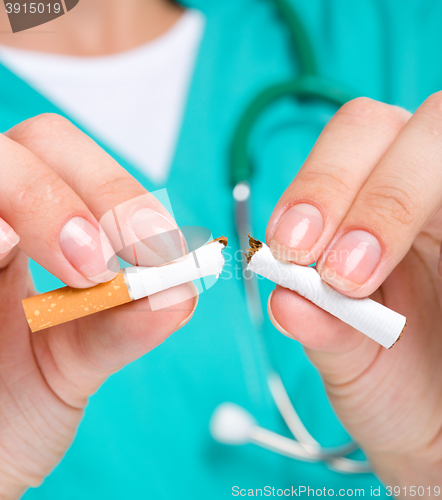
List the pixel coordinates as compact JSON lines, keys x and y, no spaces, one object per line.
{"x":230,"y":423}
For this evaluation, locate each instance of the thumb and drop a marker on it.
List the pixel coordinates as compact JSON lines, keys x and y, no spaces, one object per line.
{"x":338,"y":351}
{"x":77,"y":357}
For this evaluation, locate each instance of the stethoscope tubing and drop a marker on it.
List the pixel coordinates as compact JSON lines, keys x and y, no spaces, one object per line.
{"x":308,"y":85}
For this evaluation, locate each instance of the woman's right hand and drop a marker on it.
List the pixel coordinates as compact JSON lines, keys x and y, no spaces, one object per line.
{"x":55,"y":185}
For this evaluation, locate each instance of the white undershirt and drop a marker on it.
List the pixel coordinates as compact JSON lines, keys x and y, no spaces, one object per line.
{"x":132,"y":101}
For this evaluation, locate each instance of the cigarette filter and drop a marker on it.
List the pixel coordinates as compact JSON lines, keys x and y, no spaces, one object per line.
{"x":369,"y":317}
{"x":133,"y":283}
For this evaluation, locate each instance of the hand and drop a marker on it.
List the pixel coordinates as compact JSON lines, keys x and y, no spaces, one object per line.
{"x":366,"y":206}
{"x":55,"y":184}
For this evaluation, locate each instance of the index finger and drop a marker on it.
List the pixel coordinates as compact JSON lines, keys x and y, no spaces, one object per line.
{"x":397,"y":201}
{"x":103,"y":184}
{"x":344,"y":156}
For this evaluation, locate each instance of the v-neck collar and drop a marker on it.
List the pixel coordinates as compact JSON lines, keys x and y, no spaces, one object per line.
{"x":28,"y":102}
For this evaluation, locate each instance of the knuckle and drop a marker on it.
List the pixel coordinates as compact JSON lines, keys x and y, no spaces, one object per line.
{"x":37,"y":196}
{"x":328,"y":175}
{"x":431,"y":110}
{"x":363,"y":111}
{"x":393,"y":202}
{"x":434,"y":101}
{"x":108,"y":188}
{"x":48,"y":120}
{"x":41,"y":126}
{"x":361,"y":106}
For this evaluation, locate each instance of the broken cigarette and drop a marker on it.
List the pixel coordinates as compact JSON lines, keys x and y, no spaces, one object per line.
{"x":369,"y":317}
{"x":133,"y":283}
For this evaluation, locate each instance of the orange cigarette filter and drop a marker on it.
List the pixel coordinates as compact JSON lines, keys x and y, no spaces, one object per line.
{"x":133,"y":283}
{"x":66,"y":304}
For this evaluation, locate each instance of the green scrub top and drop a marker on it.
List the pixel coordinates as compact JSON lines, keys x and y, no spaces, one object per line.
{"x":145,"y":433}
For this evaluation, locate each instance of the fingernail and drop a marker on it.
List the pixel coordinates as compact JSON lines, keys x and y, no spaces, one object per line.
{"x":159,"y":233}
{"x":297,"y":231}
{"x":8,"y":238}
{"x":172,"y":298}
{"x":273,"y":320}
{"x":185,"y":321}
{"x":91,"y":254}
{"x":351,"y":260}
{"x":175,"y":296}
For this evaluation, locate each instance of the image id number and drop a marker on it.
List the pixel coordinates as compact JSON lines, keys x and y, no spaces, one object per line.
{"x":33,"y":8}
{"x":413,"y":491}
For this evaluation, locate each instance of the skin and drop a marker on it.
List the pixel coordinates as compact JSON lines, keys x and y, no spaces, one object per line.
{"x":51,"y":172}
{"x":377,"y":168}
{"x":108,"y":27}
{"x":362,"y":174}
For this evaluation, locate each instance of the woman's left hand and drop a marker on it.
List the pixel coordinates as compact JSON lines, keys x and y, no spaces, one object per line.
{"x":367,"y":207}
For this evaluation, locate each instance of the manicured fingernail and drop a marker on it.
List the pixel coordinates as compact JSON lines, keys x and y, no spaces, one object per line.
{"x":159,"y":233}
{"x":351,"y":260}
{"x":91,"y":254}
{"x":185,"y":321}
{"x":273,"y":320}
{"x":297,"y":231}
{"x":173,"y":298}
{"x":8,"y":238}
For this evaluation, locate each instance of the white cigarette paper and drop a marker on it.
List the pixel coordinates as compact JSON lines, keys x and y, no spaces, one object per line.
{"x":369,"y":317}
{"x":207,"y":260}
{"x":133,"y":283}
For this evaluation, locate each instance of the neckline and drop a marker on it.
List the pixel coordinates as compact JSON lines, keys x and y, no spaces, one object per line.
{"x":29,"y":102}
{"x":114,"y":64}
